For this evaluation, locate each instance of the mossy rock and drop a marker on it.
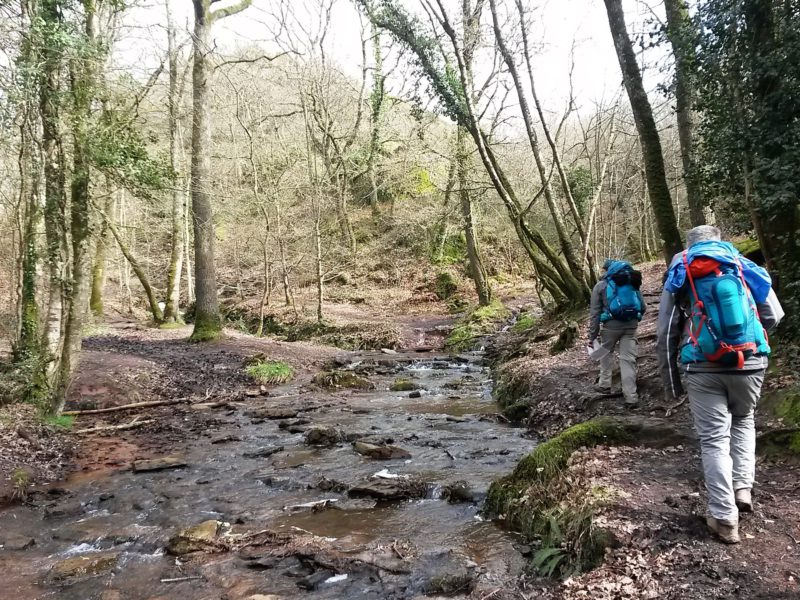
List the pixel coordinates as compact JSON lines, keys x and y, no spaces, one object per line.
{"x":518,"y":411}
{"x":783,"y":442}
{"x":342,"y":379}
{"x":195,"y":538}
{"x":403,"y":384}
{"x":477,"y":323}
{"x":525,"y":323}
{"x":445,"y":286}
{"x":270,"y":372}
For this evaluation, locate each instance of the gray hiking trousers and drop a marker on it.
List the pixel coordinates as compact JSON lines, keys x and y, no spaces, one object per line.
{"x":723,"y":406}
{"x":610,"y":336}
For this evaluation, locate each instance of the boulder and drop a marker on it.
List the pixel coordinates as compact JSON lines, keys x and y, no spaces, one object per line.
{"x":323,"y":436}
{"x":389,"y":489}
{"x":86,"y":565}
{"x":263,"y":452}
{"x":158,"y":464}
{"x":195,"y":538}
{"x":380,"y":452}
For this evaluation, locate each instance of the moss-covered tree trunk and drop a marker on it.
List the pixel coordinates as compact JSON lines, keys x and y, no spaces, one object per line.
{"x":682,"y":35}
{"x":656,"y":177}
{"x":376,"y":104}
{"x":172,"y":307}
{"x":83,"y":90}
{"x":99,"y":273}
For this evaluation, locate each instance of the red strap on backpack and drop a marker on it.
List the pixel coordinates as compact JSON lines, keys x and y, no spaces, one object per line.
{"x":697,"y":309}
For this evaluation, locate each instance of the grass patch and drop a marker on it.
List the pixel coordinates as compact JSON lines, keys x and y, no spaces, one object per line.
{"x":60,"y":421}
{"x":477,"y":323}
{"x":525,"y":323}
{"x":270,"y":372}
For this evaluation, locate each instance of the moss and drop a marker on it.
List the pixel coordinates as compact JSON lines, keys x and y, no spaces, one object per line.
{"x":747,"y":246}
{"x":403,"y":384}
{"x":342,"y":379}
{"x":270,"y":372}
{"x":525,"y":323}
{"x":518,"y":411}
{"x":207,"y":328}
{"x":477,"y":323}
{"x":445,"y":285}
{"x":172,"y":325}
{"x":549,"y":460}
{"x":542,"y":503}
{"x":788,"y":408}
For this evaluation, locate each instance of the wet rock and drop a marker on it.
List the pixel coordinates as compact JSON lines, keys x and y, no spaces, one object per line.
{"x":416,"y":394}
{"x":293,"y":423}
{"x":458,"y":492}
{"x":323,"y":436}
{"x":263,"y":452}
{"x":15,"y":541}
{"x":272,"y":412}
{"x":445,"y":574}
{"x":296,"y":429}
{"x":356,"y":504}
{"x":342,"y":379}
{"x":281,"y":483}
{"x":86,"y":565}
{"x":454,"y":419}
{"x":389,"y":489}
{"x":264,"y":597}
{"x":380,"y":452}
{"x":225,"y":439}
{"x":313,"y":581}
{"x":158,"y":464}
{"x":330,"y":485}
{"x":65,"y":509}
{"x":194,"y":539}
{"x":403,"y":384}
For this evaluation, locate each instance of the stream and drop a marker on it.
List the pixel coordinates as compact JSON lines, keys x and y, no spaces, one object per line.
{"x":256,"y":473}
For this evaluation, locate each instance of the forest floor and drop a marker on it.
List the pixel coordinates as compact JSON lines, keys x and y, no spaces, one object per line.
{"x":270,"y":464}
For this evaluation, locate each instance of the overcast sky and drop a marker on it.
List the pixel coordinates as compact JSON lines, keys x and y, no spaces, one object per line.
{"x":559,"y":22}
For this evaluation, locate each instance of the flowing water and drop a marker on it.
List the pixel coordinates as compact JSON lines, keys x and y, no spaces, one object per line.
{"x":450,"y":430}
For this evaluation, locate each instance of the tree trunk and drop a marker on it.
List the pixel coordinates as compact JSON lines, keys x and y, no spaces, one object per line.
{"x":318,"y":264}
{"x":96,"y":304}
{"x":84,"y":87}
{"x":172,"y":308}
{"x":152,"y":301}
{"x":376,"y":103}
{"x":477,"y":270}
{"x":207,"y":319}
{"x":660,"y":198}
{"x":683,"y":38}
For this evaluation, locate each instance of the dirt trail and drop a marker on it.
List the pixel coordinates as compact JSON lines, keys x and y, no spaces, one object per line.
{"x":657,"y":504}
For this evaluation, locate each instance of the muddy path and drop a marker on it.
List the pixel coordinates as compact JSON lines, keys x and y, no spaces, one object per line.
{"x":295,"y":499}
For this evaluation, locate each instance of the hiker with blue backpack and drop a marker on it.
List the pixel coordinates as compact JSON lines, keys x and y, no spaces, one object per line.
{"x":616,"y":308}
{"x":716,"y":309}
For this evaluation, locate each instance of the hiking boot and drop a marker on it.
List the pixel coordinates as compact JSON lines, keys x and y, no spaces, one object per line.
{"x":727,"y":531}
{"x":744,"y":500}
{"x":602,"y":388}
{"x":632,"y":401}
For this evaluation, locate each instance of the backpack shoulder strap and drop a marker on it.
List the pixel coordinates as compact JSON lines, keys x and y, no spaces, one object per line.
{"x":697,"y":309}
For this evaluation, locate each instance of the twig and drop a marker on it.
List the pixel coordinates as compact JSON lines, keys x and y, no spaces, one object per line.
{"x":97,"y":411}
{"x":490,"y":594}
{"x":133,"y":424}
{"x":791,"y":537}
{"x":446,"y":451}
{"x":671,"y":409}
{"x":396,"y":551}
{"x":179,"y":579}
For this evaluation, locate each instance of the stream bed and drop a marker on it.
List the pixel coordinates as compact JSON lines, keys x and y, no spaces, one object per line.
{"x":254,"y":473}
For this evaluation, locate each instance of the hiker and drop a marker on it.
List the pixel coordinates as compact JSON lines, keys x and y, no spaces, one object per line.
{"x":715,"y":311}
{"x":616,"y":308}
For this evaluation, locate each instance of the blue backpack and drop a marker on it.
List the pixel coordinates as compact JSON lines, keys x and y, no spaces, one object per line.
{"x":724,"y":326}
{"x":622,"y":293}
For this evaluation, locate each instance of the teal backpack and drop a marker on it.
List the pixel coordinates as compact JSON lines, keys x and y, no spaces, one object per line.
{"x":724,"y":326}
{"x":622,"y":293}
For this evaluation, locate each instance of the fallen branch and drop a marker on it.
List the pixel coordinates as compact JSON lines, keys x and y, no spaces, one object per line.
{"x":97,"y":411}
{"x":179,"y":579}
{"x":132,"y":425}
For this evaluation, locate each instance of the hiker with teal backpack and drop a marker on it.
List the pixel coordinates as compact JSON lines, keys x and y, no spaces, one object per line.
{"x":616,"y":308}
{"x":716,"y":309}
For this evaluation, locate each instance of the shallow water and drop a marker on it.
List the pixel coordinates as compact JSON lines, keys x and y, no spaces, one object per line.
{"x":450,"y":432}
